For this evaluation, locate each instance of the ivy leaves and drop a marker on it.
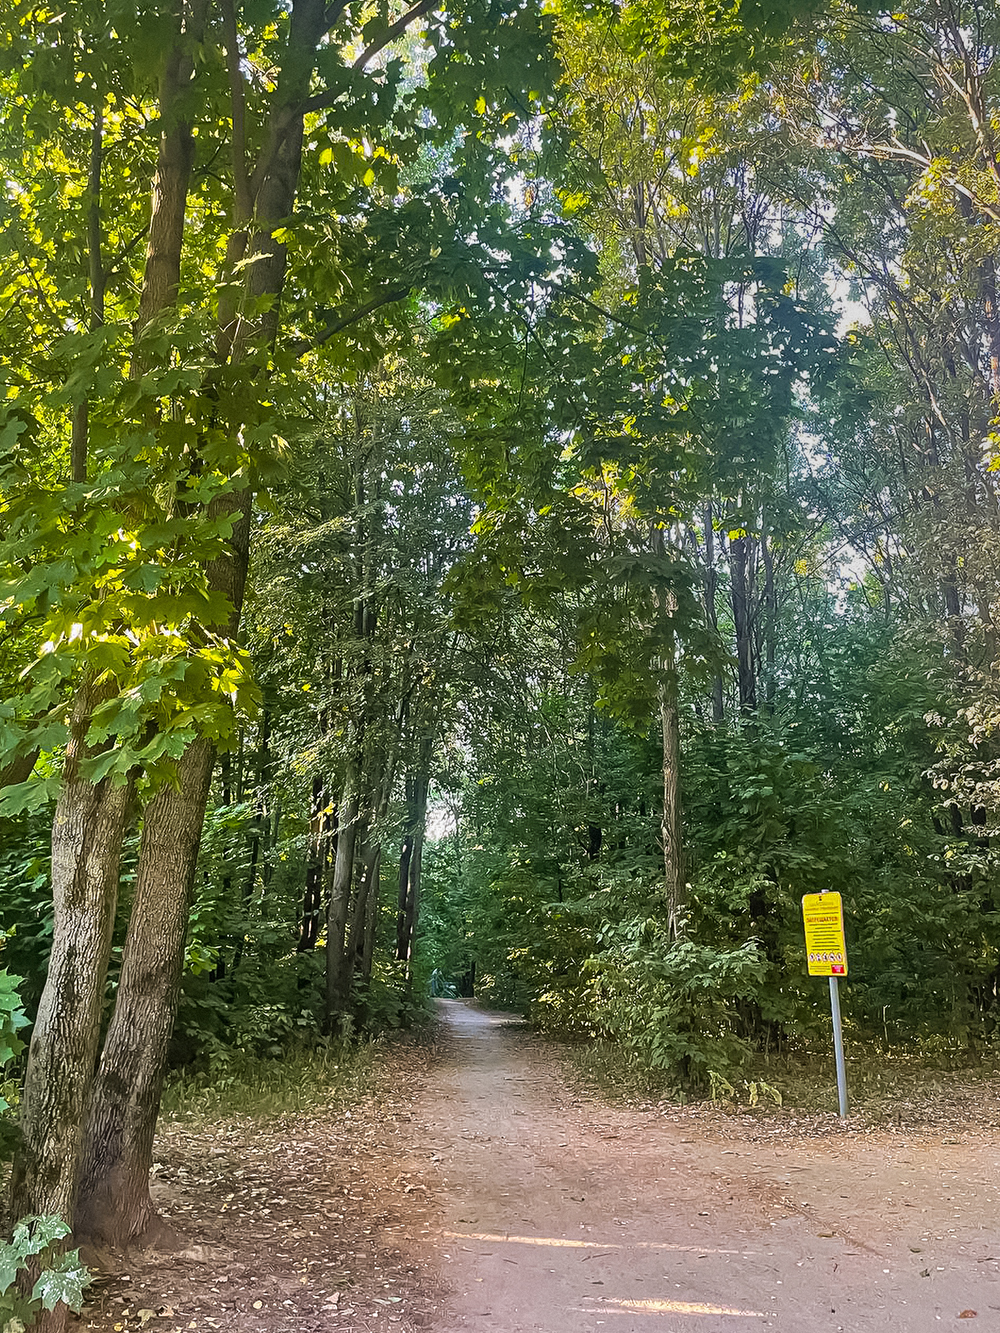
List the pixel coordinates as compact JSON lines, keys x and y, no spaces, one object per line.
{"x":63,"y":1277}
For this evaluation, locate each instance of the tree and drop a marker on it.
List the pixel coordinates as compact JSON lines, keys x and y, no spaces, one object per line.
{"x":176,"y":399}
{"x":356,"y":563}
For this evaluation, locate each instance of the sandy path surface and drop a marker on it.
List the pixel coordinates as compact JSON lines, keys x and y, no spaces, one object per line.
{"x":561,"y":1215}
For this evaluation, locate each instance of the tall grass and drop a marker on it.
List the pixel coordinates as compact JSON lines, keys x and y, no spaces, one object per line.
{"x":239,"y":1085}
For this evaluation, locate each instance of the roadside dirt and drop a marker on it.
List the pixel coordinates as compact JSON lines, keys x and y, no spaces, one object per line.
{"x":479,"y":1190}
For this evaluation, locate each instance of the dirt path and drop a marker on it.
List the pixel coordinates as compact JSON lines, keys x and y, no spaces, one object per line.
{"x":473,"y":1189}
{"x":560,"y":1215}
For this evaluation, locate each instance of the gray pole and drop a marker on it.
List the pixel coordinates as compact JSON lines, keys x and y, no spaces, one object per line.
{"x":838,"y":1046}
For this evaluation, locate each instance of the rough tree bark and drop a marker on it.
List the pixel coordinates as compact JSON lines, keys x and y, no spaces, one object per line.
{"x":87,"y":835}
{"x":113,"y":1203}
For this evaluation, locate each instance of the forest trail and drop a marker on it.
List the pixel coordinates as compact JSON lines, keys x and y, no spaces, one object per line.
{"x":473,"y":1189}
{"x":558,"y":1214}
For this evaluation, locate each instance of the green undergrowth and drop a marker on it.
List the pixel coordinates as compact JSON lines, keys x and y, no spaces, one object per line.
{"x":238,"y":1084}
{"x":933,"y":1083}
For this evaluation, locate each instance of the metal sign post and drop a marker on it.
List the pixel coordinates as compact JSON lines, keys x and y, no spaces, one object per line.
{"x":838,"y":1046}
{"x":826,"y":954}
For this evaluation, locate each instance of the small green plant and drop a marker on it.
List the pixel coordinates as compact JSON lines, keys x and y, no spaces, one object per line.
{"x":758,"y":1091}
{"x":719,"y":1088}
{"x":34,"y":1246}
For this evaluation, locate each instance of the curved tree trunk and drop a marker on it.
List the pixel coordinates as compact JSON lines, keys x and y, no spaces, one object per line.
{"x":113,"y":1203}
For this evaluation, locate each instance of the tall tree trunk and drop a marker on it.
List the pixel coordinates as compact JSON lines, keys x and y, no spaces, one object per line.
{"x":739,"y":554}
{"x":770,"y":623}
{"x":114,"y":1195}
{"x":340,"y":896}
{"x":90,"y":820}
{"x":322,"y":836}
{"x":371,"y":920}
{"x":87,"y":837}
{"x":81,"y":415}
{"x":258,"y":838}
{"x":405,"y":856}
{"x":418,"y":788}
{"x":711,"y":613}
{"x":370,"y":856}
{"x":670,"y":824}
{"x":175,"y":161}
{"x":668,"y":700}
{"x":271,"y":842}
{"x":113,"y":1203}
{"x":416,"y":874}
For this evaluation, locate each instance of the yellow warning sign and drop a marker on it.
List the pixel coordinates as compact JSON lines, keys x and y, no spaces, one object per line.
{"x":826,"y":951}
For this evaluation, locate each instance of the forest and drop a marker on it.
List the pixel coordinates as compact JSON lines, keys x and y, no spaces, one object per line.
{"x":498,"y":498}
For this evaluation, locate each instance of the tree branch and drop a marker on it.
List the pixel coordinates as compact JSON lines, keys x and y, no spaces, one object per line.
{"x":392,"y":32}
{"x":335,"y":326}
{"x":321,"y":100}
